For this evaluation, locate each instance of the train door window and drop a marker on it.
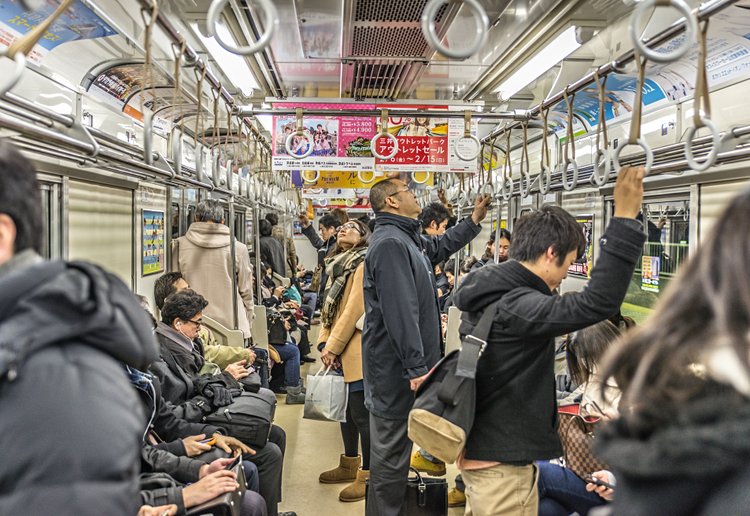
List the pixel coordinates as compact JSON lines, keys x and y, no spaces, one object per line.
{"x":51,"y":220}
{"x":190,"y":218}
{"x":176,"y":212}
{"x":666,"y":222}
{"x":239,"y":226}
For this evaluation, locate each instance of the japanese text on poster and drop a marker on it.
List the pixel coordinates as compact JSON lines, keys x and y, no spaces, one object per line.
{"x":650,"y":268}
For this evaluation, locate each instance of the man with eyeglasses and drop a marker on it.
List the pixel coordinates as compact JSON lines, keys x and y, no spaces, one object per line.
{"x":402,"y":338}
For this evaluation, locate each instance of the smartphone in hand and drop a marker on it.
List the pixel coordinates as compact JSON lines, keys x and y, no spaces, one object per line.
{"x":235,"y":462}
{"x":592,"y":480}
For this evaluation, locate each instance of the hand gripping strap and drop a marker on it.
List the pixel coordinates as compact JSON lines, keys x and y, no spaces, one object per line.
{"x":472,"y":346}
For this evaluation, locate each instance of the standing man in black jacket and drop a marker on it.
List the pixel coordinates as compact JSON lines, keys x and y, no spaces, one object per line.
{"x":516,"y":412}
{"x":402,"y":338}
{"x":324,"y":243}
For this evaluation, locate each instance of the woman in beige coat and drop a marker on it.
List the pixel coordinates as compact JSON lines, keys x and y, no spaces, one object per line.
{"x":341,"y":339}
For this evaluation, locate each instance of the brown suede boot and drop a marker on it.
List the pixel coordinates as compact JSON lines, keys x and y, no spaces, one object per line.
{"x":355,"y":491}
{"x":345,"y":472}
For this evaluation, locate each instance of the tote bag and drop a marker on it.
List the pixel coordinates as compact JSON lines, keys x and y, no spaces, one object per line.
{"x":326,"y":397}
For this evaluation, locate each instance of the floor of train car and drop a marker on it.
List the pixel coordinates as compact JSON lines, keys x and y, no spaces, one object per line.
{"x":313,"y":447}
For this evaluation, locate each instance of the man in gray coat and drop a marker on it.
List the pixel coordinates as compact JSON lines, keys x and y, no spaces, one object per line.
{"x":71,"y":425}
{"x":402,"y":338}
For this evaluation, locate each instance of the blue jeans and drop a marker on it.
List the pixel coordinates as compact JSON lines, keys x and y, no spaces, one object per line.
{"x":562,"y":492}
{"x":289,"y":354}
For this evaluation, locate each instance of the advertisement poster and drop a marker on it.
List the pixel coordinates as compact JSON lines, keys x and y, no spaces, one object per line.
{"x":364,"y":180}
{"x":582,"y":266}
{"x":424,"y":144}
{"x":153,"y":242}
{"x":650,"y":268}
{"x":339,"y":143}
{"x":77,"y":22}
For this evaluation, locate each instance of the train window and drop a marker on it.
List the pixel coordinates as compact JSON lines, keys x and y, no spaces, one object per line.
{"x":52,"y":231}
{"x":666,"y":249}
{"x":239,"y":226}
{"x":176,"y":212}
{"x":190,"y":218}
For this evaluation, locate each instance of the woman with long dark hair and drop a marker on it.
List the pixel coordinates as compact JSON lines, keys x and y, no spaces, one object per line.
{"x":341,"y":340}
{"x":681,"y":443}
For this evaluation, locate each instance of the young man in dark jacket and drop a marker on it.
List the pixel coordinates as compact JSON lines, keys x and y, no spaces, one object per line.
{"x":70,"y":424}
{"x":516,"y":412}
{"x":402,"y":338}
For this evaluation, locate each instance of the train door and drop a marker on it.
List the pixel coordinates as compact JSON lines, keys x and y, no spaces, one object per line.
{"x":101,"y":227}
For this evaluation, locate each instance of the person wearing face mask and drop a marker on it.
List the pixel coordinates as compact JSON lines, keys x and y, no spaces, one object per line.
{"x":515,"y":421}
{"x":341,"y":338}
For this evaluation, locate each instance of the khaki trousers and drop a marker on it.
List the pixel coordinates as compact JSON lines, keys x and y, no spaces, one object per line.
{"x":502,"y":490}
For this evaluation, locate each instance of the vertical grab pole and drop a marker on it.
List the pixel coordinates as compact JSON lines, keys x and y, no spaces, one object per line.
{"x":233,"y":253}
{"x":256,"y":248}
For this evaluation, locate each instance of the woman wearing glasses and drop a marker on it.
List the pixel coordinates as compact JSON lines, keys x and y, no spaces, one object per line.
{"x":341,"y":342}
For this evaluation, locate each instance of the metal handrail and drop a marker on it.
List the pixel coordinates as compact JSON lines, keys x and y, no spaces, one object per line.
{"x":616,"y":65}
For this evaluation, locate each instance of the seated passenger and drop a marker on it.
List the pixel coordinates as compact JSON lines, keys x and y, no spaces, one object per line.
{"x":279,"y":326}
{"x":343,"y":306}
{"x":561,"y":491}
{"x":680,"y":444}
{"x":70,"y":425}
{"x":178,"y":375}
{"x":229,"y":358}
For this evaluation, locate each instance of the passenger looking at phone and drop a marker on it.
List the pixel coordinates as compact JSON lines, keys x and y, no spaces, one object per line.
{"x":236,"y":361}
{"x":195,"y":395}
{"x":516,"y":412}
{"x":562,"y":491}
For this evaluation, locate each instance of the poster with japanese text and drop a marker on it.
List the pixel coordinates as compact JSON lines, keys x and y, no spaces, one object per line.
{"x":582,"y":266}
{"x":650,"y":268}
{"x":339,"y":143}
{"x":153,"y":257}
{"x":75,"y":23}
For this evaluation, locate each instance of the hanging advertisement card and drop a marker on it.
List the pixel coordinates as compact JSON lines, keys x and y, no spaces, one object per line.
{"x":650,"y":268}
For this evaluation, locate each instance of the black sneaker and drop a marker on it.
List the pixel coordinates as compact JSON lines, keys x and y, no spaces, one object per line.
{"x":307,"y":359}
{"x":288,"y":513}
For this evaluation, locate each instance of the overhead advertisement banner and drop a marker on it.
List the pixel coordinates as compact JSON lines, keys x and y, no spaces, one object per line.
{"x":339,"y":143}
{"x":77,"y":22}
{"x":342,"y":144}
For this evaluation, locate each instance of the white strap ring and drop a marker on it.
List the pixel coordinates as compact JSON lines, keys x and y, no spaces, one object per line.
{"x":482,"y":23}
{"x":691,"y":28}
{"x":270,"y":22}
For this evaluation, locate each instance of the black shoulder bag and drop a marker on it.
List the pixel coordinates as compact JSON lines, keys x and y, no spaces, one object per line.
{"x":443,"y":411}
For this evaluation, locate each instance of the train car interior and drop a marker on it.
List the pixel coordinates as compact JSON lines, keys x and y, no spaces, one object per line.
{"x":134,"y":112}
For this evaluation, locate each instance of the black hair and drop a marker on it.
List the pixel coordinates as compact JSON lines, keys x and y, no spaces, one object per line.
{"x":550,"y":226}
{"x":272,"y":218}
{"x":434,"y":212}
{"x":20,"y":198}
{"x":164,"y":287}
{"x":504,"y":233}
{"x":586,"y":347}
{"x":450,"y":265}
{"x":183,"y":305}
{"x":329,"y":221}
{"x":380,"y":192}
{"x":265,"y":228}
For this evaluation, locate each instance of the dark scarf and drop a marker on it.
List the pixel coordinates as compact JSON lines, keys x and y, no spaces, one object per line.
{"x":706,"y":435}
{"x":338,"y":269}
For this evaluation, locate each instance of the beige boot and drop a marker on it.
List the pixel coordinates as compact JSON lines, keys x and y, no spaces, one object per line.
{"x":355,"y":491}
{"x":345,"y":472}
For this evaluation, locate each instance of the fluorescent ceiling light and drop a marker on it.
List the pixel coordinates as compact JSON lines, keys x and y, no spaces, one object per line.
{"x":557,"y":50}
{"x":234,"y":66}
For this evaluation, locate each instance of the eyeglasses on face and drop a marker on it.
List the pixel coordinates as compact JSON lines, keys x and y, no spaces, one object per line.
{"x":198,"y":322}
{"x":348,"y":226}
{"x":404,"y":189}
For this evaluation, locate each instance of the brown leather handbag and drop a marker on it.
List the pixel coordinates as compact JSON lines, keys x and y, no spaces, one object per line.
{"x":577,"y":435}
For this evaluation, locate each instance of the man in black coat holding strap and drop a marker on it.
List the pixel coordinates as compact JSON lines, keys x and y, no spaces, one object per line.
{"x":402,"y":340}
{"x":516,"y":412}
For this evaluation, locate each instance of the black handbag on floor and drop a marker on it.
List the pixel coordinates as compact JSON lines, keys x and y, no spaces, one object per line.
{"x":248,"y":418}
{"x":424,"y":496}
